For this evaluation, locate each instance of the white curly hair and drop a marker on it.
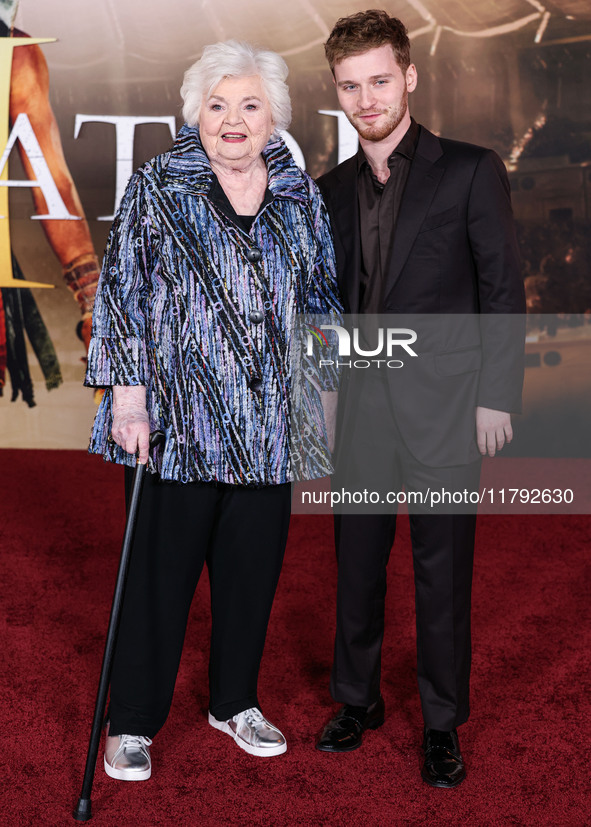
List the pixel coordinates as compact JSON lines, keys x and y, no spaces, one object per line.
{"x":236,"y":59}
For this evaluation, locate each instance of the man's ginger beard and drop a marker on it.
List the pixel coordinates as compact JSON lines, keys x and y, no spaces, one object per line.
{"x":377,"y":132}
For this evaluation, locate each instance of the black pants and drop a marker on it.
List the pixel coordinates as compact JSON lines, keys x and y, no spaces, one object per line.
{"x":241,"y":534}
{"x":443,"y":550}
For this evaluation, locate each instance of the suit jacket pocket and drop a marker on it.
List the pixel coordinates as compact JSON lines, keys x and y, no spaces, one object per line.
{"x":458,"y":361}
{"x":431,"y":222}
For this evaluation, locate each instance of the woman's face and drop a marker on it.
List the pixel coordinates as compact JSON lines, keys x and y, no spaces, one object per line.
{"x":236,"y":122}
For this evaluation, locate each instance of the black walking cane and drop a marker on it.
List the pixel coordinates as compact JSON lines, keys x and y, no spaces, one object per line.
{"x":83,"y":810}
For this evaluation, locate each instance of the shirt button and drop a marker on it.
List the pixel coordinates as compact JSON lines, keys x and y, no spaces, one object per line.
{"x":256,"y":316}
{"x":256,"y":384}
{"x":254,"y":254}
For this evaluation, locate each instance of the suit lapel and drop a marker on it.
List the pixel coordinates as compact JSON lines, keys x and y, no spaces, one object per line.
{"x":423,"y":180}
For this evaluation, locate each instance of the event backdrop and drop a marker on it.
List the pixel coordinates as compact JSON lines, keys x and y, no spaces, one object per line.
{"x":511,"y":74}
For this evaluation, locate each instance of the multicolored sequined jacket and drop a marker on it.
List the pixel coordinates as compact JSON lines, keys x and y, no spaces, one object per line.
{"x":203,"y":315}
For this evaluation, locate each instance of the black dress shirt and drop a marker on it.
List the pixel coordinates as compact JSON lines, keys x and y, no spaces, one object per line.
{"x":379,"y":205}
{"x":221,"y":200}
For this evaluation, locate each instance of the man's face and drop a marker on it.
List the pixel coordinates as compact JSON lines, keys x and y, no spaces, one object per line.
{"x":373,"y":91}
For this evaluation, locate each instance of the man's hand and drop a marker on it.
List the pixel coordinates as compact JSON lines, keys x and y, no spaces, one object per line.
{"x":493,"y":429}
{"x":131,"y":424}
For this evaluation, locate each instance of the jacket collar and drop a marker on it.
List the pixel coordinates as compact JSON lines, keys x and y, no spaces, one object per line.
{"x":421,"y":186}
{"x":423,"y":179}
{"x":188,"y":169}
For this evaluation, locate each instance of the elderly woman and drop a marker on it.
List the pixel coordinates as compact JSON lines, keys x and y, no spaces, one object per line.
{"x":216,"y":247}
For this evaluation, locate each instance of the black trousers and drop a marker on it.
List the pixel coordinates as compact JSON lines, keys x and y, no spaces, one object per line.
{"x":241,"y":534}
{"x":443,"y":550}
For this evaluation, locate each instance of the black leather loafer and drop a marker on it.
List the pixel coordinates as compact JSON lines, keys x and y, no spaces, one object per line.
{"x":344,"y":732}
{"x":444,"y":765}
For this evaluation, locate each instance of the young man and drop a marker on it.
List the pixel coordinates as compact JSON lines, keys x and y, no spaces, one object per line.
{"x":422,"y":225}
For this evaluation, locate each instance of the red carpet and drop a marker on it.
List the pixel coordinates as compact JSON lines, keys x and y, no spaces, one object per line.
{"x":526,"y":745}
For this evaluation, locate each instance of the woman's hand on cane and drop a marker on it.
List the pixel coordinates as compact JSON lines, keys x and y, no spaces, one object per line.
{"x":131,"y":424}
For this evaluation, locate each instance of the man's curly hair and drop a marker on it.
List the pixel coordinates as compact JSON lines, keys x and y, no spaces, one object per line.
{"x":367,"y":30}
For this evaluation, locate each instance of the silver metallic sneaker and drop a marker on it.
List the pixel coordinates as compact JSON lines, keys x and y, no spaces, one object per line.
{"x":127,"y":757}
{"x":253,"y":733}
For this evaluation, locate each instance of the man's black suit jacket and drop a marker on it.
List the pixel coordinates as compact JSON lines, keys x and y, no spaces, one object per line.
{"x":454,"y":254}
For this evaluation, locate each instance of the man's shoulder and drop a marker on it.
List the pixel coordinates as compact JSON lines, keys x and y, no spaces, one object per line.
{"x":450,"y":145}
{"x":455,"y":150}
{"x":430,"y":146}
{"x":334,"y":178}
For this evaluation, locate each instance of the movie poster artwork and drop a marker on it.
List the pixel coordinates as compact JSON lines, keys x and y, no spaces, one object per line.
{"x":89,"y":91}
